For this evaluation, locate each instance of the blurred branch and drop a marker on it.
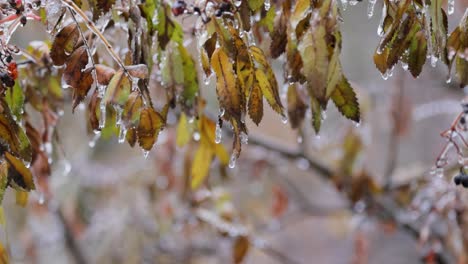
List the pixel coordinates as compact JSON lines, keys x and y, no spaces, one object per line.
{"x":386,"y":207}
{"x":70,"y":240}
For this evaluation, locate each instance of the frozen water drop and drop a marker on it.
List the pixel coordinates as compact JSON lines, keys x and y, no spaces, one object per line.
{"x":450,"y":6}
{"x":122,"y":134}
{"x":449,"y":79}
{"x":232,"y":161}
{"x":218,"y":134}
{"x":244,"y":138}
{"x":267,"y":5}
{"x":191,"y":120}
{"x":344,"y":4}
{"x":357,"y":124}
{"x":146,"y":153}
{"x":299,"y":139}
{"x":221,"y":112}
{"x":370,"y":8}
{"x":196,"y":136}
{"x":284,"y":119}
{"x":41,"y":198}
{"x":92,"y":142}
{"x":434,"y":60}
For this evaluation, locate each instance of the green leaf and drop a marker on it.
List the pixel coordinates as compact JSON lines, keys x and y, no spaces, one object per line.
{"x":14,"y":97}
{"x":417,"y":54}
{"x":190,"y":77}
{"x":345,"y":100}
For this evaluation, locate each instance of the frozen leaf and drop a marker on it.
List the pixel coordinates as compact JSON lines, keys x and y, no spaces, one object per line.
{"x":20,"y":176}
{"x":256,"y":104}
{"x":314,"y":53}
{"x":100,"y":7}
{"x":64,"y":44}
{"x":345,"y":100}
{"x":12,"y":136}
{"x":279,"y":36}
{"x":224,"y":37}
{"x":151,"y":123}
{"x":380,"y":60}
{"x":118,"y":90}
{"x":240,"y":248}
{"x":94,"y":111}
{"x":104,"y":74}
{"x":75,"y":75}
{"x":201,"y":164}
{"x":417,"y":53}
{"x":266,"y":79}
{"x":183,"y":132}
{"x":132,"y":109}
{"x":296,"y":107}
{"x":316,"y":114}
{"x":139,"y":71}
{"x":14,"y":97}
{"x":131,"y":136}
{"x":226,"y":86}
{"x":205,"y":62}
{"x":244,"y":65}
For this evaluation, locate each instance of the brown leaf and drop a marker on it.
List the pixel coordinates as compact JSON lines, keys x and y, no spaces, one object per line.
{"x":64,"y":44}
{"x":417,"y":54}
{"x":240,"y":249}
{"x":296,"y":107}
{"x":132,"y":109}
{"x":20,"y":176}
{"x":279,"y":37}
{"x":74,"y":75}
{"x":256,"y":104}
{"x":151,"y":123}
{"x":93,"y":110}
{"x":139,"y":71}
{"x":104,"y":74}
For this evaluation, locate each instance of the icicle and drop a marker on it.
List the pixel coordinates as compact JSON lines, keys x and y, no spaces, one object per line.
{"x":353,"y":2}
{"x":370,"y":8}
{"x":232,"y":160}
{"x":344,"y":4}
{"x":244,"y":138}
{"x":380,"y":29}
{"x":439,"y":172}
{"x":118,"y":118}
{"x":357,"y":124}
{"x":196,"y":136}
{"x":221,"y":112}
{"x":66,"y":167}
{"x":449,"y":79}
{"x":284,"y":119}
{"x":102,"y":118}
{"x":191,"y":119}
{"x":267,"y":5}
{"x":434,"y":60}
{"x":450,"y":7}
{"x":145,"y":153}
{"x":41,"y":198}
{"x":404,"y":66}
{"x":427,"y":28}
{"x":122,"y":134}
{"x":218,"y":133}
{"x":92,"y":142}
{"x":323,"y":115}
{"x":385,"y":75}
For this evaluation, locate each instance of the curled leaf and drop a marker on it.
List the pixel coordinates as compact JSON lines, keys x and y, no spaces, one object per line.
{"x":118,"y":90}
{"x":151,"y":123}
{"x":20,"y":176}
{"x":64,"y":44}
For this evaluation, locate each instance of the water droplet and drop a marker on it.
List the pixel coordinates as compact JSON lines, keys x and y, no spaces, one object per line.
{"x":450,"y":7}
{"x":370,"y":8}
{"x":122,"y":134}
{"x":404,"y":66}
{"x":357,"y":124}
{"x":218,"y":134}
{"x":232,"y":160}
{"x":221,"y":112}
{"x":299,"y":139}
{"x":145,"y":153}
{"x":303,"y":164}
{"x":449,"y":79}
{"x":196,"y":136}
{"x":317,"y":137}
{"x":92,"y":142}
{"x":41,"y":198}
{"x":385,"y":75}
{"x":191,"y":119}
{"x":66,"y":167}
{"x":284,"y":119}
{"x":344,"y":4}
{"x":267,"y":5}
{"x":323,"y":115}
{"x":244,"y":138}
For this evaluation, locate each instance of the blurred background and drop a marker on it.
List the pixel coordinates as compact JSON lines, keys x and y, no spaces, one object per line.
{"x":295,"y":196}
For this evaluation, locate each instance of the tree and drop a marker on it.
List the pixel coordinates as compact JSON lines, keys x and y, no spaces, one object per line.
{"x":136,"y":66}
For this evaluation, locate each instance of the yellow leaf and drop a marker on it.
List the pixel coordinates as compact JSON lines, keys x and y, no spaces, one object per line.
{"x":151,"y":123}
{"x":226,"y":86}
{"x":2,"y":216}
{"x":21,"y":198}
{"x":4,"y":258}
{"x":266,"y":88}
{"x":256,"y":103}
{"x":183,"y":133}
{"x":300,"y":11}
{"x":208,"y":128}
{"x":19,"y":175}
{"x":201,"y":164}
{"x":345,"y":100}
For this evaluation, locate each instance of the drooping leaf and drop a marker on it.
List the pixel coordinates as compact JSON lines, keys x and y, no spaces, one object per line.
{"x":104,"y":74}
{"x":417,"y":53}
{"x":240,"y":249}
{"x":229,"y":95}
{"x":75,"y":75}
{"x":256,"y":103}
{"x":183,"y":132}
{"x":314,"y":53}
{"x":118,"y":90}
{"x":12,"y":136}
{"x":14,"y":97}
{"x":132,"y":109}
{"x":20,"y":176}
{"x":190,"y":77}
{"x":244,"y":65}
{"x":279,"y":36}
{"x":316,"y":114}
{"x":151,"y":123}
{"x":64,"y":44}
{"x":345,"y":100}
{"x":94,"y":111}
{"x":201,"y":164}
{"x":207,"y":128}
{"x":296,"y":106}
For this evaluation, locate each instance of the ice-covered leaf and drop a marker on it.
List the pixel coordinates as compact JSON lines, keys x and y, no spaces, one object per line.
{"x":255,"y":105}
{"x":20,"y":176}
{"x":345,"y":100}
{"x":75,"y":75}
{"x":64,"y":44}
{"x":417,"y":53}
{"x":151,"y":123}
{"x":118,"y":90}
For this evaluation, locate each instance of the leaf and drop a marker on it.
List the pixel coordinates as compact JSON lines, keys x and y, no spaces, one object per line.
{"x":267,"y":80}
{"x":172,"y":69}
{"x":462,"y":71}
{"x":279,"y":36}
{"x":190,"y":77}
{"x":417,"y":53}
{"x":74,"y":75}
{"x":335,"y":72}
{"x":345,"y":100}
{"x":139,"y":71}
{"x":256,"y":104}
{"x":20,"y":176}
{"x":131,"y":136}
{"x":207,"y":128}
{"x":12,"y":136}
{"x":100,"y":7}
{"x":183,"y":132}
{"x":316,"y":114}
{"x":104,"y":74}
{"x":380,"y":59}
{"x":268,"y":20}
{"x":132,"y":110}
{"x":296,"y":107}
{"x":3,"y":180}
{"x":4,"y":258}
{"x":64,"y":44}
{"x":299,"y":12}
{"x":21,"y":198}
{"x":226,"y":84}
{"x":244,"y":65}
{"x":254,"y":5}
{"x":205,"y":62}
{"x":201,"y":164}
{"x":151,"y":123}
{"x":240,"y":249}
{"x":314,"y":53}
{"x":118,"y":90}
{"x":94,"y":111}
{"x":14,"y":97}
{"x":224,"y":38}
